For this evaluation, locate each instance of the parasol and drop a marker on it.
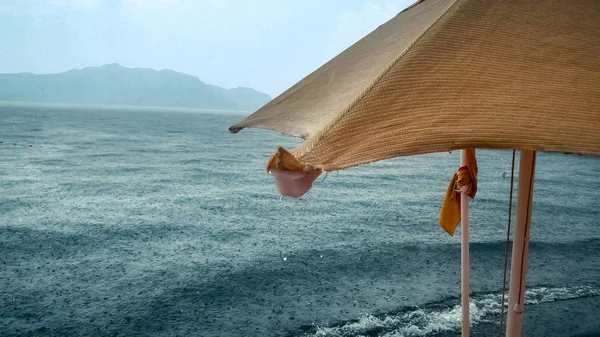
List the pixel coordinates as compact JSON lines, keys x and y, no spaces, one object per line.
{"x":449,"y":75}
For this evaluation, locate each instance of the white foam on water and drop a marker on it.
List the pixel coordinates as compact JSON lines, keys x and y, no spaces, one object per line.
{"x":433,"y":319}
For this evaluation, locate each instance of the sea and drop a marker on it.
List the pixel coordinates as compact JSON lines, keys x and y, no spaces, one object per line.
{"x":158,"y":222}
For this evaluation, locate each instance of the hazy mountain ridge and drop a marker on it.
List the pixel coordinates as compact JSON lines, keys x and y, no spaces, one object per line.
{"x":113,"y":84}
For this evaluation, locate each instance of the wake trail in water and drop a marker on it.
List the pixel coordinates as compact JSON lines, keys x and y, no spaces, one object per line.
{"x":443,"y":316}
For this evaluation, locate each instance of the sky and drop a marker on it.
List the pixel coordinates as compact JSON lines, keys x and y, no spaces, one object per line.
{"x":265,"y":44}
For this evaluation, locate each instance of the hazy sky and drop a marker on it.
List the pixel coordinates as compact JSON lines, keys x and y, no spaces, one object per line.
{"x":264,"y":44}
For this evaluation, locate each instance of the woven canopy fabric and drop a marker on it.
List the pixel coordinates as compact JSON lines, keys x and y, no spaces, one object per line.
{"x":451,"y":74}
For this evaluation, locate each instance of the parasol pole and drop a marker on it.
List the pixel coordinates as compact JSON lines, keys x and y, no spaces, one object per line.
{"x":464,"y":255}
{"x":520,"y":252}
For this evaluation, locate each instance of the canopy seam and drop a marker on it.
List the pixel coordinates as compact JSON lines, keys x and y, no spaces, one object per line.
{"x":310,"y":143}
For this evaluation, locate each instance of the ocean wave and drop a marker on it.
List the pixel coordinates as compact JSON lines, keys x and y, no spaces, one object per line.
{"x":444,"y":316}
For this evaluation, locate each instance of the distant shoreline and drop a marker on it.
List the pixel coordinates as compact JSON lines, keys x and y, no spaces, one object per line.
{"x":75,"y":106}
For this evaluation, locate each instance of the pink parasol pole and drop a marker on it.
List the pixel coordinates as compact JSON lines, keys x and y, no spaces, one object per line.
{"x":520,"y":252}
{"x":464,"y":251}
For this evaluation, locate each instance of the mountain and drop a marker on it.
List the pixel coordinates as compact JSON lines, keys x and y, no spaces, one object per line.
{"x":113,"y":84}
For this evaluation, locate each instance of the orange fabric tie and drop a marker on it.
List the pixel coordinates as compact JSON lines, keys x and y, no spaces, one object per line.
{"x":464,"y":181}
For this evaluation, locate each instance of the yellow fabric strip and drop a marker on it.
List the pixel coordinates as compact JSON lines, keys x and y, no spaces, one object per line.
{"x":464,"y":180}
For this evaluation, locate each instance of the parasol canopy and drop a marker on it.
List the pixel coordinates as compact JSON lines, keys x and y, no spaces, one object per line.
{"x":451,"y":74}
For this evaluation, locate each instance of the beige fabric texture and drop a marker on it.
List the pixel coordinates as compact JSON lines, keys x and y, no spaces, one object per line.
{"x":451,"y":74}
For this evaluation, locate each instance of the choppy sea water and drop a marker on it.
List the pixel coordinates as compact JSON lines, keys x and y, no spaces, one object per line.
{"x":162,"y":224}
